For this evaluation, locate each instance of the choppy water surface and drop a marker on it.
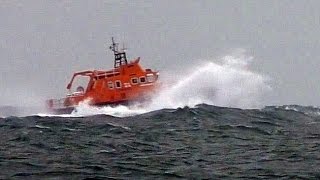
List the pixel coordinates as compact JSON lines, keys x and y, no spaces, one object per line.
{"x":202,"y":142}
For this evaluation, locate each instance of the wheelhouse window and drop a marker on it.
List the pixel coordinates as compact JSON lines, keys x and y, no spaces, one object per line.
{"x":134,"y":80}
{"x":150,"y":78}
{"x":118,"y":84}
{"x":110,"y":85}
{"x":142,"y":79}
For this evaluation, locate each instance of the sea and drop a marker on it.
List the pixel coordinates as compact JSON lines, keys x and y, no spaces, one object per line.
{"x":203,"y":142}
{"x":213,"y":123}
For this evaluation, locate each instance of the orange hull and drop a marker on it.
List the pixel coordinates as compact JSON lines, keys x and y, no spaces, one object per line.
{"x":126,"y":83}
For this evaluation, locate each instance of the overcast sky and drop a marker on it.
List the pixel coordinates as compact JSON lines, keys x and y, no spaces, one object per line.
{"x":43,"y":41}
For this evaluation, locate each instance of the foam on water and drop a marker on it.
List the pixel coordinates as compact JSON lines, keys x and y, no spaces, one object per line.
{"x":118,"y":111}
{"x":230,"y":83}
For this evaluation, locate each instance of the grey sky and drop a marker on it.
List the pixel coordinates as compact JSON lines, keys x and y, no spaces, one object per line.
{"x":43,"y":42}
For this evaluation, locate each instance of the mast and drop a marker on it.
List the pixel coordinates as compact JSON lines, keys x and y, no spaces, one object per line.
{"x":120,"y":57}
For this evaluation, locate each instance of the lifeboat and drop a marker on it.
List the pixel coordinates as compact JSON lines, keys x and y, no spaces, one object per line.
{"x":125,"y":84}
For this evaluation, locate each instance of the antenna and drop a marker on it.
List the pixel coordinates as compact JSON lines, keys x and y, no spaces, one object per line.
{"x":114,"y":46}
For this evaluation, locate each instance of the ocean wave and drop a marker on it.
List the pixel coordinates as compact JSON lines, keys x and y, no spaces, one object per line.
{"x":178,"y":142}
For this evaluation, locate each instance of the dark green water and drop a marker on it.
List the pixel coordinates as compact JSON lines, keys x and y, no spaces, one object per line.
{"x":206,"y":142}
